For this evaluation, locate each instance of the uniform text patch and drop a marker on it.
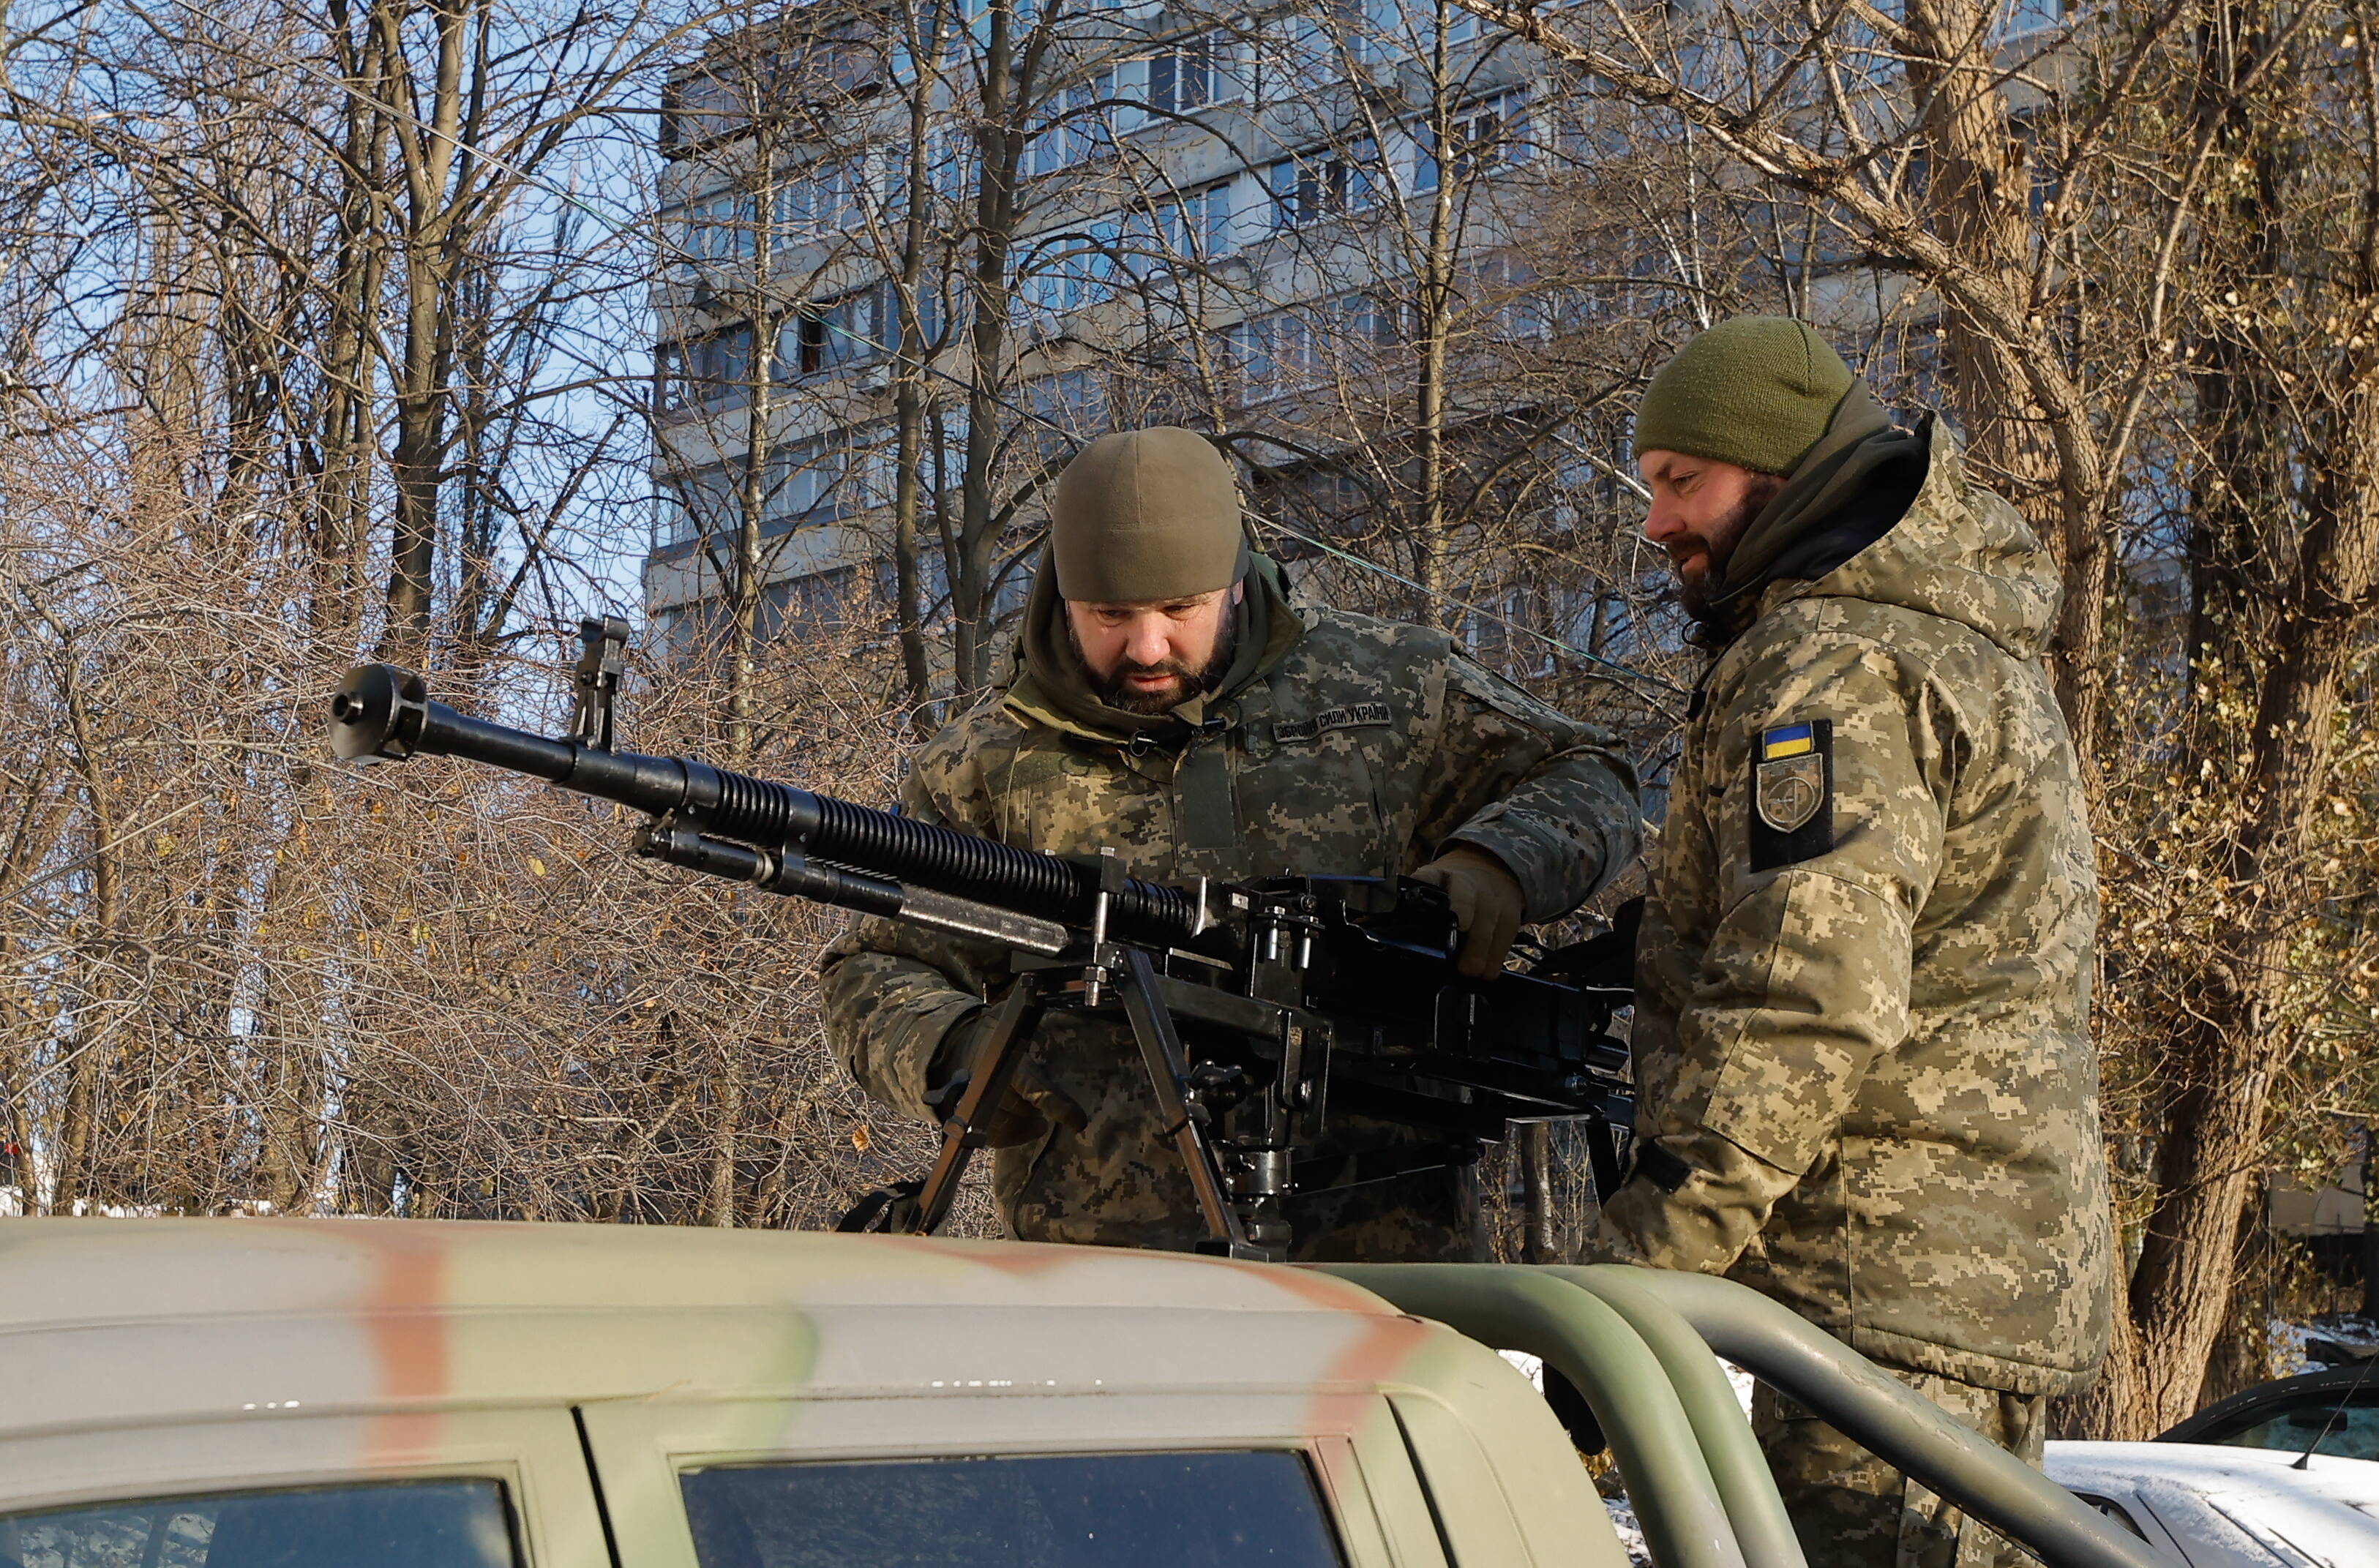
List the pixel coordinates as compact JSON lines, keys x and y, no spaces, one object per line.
{"x":1353,"y":716}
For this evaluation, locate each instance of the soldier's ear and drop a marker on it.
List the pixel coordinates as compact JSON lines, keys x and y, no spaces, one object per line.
{"x":1239,"y":592}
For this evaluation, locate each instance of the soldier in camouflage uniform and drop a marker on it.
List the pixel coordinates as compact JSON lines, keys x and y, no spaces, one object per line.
{"x":1166,"y":700}
{"x":1865,"y":1080}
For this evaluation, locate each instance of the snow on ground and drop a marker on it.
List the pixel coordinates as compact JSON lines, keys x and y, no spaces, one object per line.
{"x":1742,"y":1381}
{"x":1631,"y":1535}
{"x":2346,"y":1330}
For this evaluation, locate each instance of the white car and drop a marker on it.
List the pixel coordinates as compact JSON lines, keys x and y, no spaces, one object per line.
{"x":2222,"y":1507}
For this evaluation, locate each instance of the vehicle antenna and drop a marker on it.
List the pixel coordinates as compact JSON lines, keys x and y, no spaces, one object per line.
{"x":2304,"y":1460}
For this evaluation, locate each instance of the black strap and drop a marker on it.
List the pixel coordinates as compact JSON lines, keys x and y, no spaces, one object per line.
{"x":1664,"y":1168}
{"x":890,"y":1204}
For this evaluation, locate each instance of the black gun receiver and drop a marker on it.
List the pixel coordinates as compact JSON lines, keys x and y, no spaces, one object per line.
{"x":1258,"y":1008}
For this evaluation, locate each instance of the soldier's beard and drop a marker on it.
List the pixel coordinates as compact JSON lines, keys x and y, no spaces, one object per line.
{"x":1698,"y":589}
{"x":1115,"y":689}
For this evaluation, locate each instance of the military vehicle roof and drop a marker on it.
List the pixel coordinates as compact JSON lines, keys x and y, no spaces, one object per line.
{"x":145,"y":1319}
{"x":84,"y":1270}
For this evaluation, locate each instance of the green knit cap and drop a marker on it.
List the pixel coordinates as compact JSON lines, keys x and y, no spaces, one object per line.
{"x":1146,"y":514}
{"x":1756,"y":391}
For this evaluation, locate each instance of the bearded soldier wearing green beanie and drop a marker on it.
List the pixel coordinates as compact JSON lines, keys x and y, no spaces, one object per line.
{"x":1863,"y":1075}
{"x":1167,"y":701}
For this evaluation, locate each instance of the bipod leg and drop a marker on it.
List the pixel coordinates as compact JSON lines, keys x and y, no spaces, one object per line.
{"x":918,"y":1208}
{"x":988,"y":1076}
{"x":1160,"y":1050}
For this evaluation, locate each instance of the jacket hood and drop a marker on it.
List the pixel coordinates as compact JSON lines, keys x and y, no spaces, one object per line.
{"x":1047,"y":684}
{"x":1957,"y":551}
{"x":1839,"y":499}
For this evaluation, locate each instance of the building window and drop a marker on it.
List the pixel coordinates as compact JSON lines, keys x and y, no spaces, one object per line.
{"x":1196,"y":72}
{"x":1072,"y":402}
{"x":705,"y":371}
{"x":1324,"y":183}
{"x":718,"y":234}
{"x":853,"y":329}
{"x":832,"y":335}
{"x":669,"y":377}
{"x":1194,"y":227}
{"x":1295,"y":55}
{"x":1489,"y":135}
{"x":1070,"y":272}
{"x":819,"y":479}
{"x":950,"y":161}
{"x":1383,"y":30}
{"x":699,"y":109}
{"x":710,"y":234}
{"x":820,"y":202}
{"x":1077,"y":128}
{"x":1292,"y":350}
{"x":693,"y":505}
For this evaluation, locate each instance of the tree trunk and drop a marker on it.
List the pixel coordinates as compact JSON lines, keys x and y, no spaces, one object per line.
{"x":2231,"y":1032}
{"x":911,"y":403}
{"x":2042,"y":456}
{"x":1004,"y":104}
{"x":417,"y":456}
{"x":1539,"y":1226}
{"x":1977,"y":197}
{"x":95,"y":959}
{"x":747,"y":582}
{"x":720,"y":1209}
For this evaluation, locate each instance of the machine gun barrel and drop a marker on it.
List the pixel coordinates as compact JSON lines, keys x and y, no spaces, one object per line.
{"x":380,"y":711}
{"x":1239,"y":1016}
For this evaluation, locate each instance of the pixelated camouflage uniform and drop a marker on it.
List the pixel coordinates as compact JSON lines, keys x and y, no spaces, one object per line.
{"x":1865,"y":1079}
{"x":1851,"y":1510}
{"x":1359,"y":747}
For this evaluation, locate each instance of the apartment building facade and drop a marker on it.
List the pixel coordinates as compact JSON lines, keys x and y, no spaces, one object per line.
{"x":1250,"y":225}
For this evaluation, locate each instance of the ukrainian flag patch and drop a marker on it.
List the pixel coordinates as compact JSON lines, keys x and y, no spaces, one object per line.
{"x":1793,"y":794}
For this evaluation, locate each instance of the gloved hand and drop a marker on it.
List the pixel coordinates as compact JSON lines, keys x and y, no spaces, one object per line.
{"x":1487,"y":905}
{"x":1031,"y":1103}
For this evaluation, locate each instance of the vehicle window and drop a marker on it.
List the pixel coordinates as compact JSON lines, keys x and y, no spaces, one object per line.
{"x":1146,"y":1510}
{"x":397,"y":1525}
{"x":2353,"y":1432}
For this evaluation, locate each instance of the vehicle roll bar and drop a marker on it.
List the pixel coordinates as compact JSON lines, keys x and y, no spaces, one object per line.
{"x":1669,"y":1480}
{"x":1661,"y":1325}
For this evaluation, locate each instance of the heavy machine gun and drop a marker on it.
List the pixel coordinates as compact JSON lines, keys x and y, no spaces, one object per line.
{"x":1259,"y":1009}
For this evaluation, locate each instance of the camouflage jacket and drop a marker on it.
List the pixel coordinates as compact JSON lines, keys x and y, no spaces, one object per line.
{"x":1864,"y":1068}
{"x":1363,"y":748}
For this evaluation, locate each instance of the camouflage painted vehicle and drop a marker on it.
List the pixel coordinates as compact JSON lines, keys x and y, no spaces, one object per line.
{"x":250,"y":1394}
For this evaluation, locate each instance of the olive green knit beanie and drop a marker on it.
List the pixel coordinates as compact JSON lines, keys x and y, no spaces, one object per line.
{"x":1146,"y":514}
{"x":1757,"y":392}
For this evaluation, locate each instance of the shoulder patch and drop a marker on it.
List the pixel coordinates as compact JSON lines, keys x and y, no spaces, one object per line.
{"x":1792,"y":794}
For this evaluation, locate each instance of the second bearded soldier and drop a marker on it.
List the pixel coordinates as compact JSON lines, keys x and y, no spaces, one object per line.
{"x":1167,"y":701}
{"x":1865,"y":1083}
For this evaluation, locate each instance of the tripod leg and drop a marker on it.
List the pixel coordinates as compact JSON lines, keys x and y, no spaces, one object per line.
{"x":988,"y":1076}
{"x":1160,"y":1049}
